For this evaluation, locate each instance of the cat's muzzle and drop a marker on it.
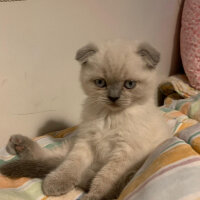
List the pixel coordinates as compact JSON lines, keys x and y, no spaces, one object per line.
{"x":113,"y":99}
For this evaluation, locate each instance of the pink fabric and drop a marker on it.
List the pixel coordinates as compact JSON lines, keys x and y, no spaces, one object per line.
{"x":190,"y":41}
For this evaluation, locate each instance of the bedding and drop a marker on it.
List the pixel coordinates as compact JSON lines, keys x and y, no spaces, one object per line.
{"x":172,"y":171}
{"x":181,"y":96}
{"x":178,"y":84}
{"x":30,"y":189}
{"x":189,"y":106}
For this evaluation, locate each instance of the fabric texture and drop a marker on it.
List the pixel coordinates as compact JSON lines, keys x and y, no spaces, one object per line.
{"x":172,"y":171}
{"x":30,"y":189}
{"x":190,"y":41}
{"x":179,"y":95}
{"x":189,"y":106}
{"x":178,"y":84}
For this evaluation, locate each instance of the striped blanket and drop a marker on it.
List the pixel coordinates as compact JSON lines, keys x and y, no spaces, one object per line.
{"x":171,"y":172}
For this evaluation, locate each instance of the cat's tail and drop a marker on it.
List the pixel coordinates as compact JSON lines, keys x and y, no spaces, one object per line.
{"x":28,"y":168}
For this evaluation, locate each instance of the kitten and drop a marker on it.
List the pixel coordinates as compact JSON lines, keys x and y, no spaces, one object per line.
{"x":120,"y":126}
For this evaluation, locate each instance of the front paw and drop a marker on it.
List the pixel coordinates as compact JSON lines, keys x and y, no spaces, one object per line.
{"x":18,"y":144}
{"x":57,"y":185}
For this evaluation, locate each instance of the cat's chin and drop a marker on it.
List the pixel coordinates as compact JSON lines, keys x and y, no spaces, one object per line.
{"x":114,"y":107}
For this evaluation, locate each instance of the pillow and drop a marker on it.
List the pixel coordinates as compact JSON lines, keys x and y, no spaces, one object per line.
{"x":190,"y":41}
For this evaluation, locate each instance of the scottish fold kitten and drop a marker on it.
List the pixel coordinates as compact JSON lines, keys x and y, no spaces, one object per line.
{"x":120,"y":126}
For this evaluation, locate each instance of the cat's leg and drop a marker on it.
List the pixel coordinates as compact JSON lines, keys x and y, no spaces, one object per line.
{"x":28,"y":149}
{"x":25,"y":147}
{"x":34,"y":161}
{"x":105,"y":184}
{"x":69,"y":173}
{"x":86,"y":179}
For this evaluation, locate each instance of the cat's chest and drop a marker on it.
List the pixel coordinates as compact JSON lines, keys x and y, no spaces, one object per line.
{"x":105,"y":143}
{"x":108,"y":135}
{"x":112,"y":122}
{"x":110,"y":128}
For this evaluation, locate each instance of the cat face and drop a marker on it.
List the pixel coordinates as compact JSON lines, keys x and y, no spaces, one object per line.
{"x":117,"y":75}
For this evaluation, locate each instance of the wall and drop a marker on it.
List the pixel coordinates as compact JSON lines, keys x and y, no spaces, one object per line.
{"x":39,"y":88}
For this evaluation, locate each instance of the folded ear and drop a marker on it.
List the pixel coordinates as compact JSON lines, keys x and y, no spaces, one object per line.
{"x":150,"y":55}
{"x":85,"y":52}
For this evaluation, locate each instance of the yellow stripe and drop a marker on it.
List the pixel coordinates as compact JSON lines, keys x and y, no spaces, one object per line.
{"x":185,"y":107}
{"x":173,"y":155}
{"x":174,"y":114}
{"x":44,"y":198}
{"x":196,"y":144}
{"x":62,"y":133}
{"x":40,"y":137}
{"x":186,"y":124}
{"x":6,"y":182}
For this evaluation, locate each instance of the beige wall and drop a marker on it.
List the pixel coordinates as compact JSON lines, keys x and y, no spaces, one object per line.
{"x":38,"y":40}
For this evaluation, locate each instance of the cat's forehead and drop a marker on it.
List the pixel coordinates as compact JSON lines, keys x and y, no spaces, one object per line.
{"x":114,"y":71}
{"x":117,"y":65}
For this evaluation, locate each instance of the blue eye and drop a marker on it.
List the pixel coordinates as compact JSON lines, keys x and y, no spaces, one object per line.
{"x":100,"y":83}
{"x":129,"y":84}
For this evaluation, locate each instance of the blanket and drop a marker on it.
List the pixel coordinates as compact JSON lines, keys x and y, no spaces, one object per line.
{"x":172,"y":171}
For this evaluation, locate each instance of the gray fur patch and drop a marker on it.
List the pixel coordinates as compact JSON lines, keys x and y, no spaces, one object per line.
{"x":28,"y":168}
{"x":114,"y":90}
{"x":150,"y":55}
{"x":85,"y":52}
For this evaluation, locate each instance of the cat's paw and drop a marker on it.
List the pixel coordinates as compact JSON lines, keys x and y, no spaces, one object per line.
{"x":19,"y":144}
{"x":54,"y":185}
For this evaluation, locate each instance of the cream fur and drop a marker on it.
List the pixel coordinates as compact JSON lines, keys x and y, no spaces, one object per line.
{"x":113,"y":139}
